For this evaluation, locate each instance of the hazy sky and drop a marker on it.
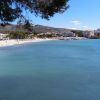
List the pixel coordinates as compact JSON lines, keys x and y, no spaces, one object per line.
{"x":82,"y":14}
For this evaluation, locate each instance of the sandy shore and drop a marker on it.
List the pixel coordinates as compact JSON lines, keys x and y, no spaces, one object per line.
{"x":4,"y":43}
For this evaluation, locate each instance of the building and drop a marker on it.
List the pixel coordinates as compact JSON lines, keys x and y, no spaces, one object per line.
{"x":68,"y":34}
{"x":3,"y":36}
{"x":97,"y":31}
{"x":89,"y":33}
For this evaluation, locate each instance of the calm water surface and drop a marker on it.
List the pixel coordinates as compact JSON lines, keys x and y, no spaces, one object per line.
{"x":53,"y":70}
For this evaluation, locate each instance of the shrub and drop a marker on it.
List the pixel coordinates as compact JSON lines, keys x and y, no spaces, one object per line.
{"x":18,"y":35}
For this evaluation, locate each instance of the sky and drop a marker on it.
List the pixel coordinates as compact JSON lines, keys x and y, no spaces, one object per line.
{"x":82,"y":14}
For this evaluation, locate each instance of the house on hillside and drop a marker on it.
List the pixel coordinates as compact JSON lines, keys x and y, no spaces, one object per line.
{"x":88,"y":33}
{"x":3,"y":36}
{"x":97,"y":31}
{"x":68,"y":34}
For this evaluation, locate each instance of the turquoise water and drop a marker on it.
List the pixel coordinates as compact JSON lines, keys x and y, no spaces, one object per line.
{"x":53,"y":70}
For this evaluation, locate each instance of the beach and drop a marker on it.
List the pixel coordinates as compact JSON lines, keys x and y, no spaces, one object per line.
{"x":12,"y":42}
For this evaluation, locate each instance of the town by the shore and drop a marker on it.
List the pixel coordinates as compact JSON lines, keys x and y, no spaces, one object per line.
{"x":14,"y":35}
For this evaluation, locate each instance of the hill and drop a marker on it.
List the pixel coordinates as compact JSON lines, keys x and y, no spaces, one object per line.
{"x":36,"y":28}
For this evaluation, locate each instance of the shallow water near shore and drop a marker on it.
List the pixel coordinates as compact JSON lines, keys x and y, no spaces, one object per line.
{"x":52,"y":70}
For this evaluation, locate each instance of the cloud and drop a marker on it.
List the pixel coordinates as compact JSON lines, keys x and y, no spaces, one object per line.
{"x":76,"y":22}
{"x":85,"y":27}
{"x":74,"y":28}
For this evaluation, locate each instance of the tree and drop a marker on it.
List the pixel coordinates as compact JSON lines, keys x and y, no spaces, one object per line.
{"x":78,"y":33}
{"x":13,"y":9}
{"x":18,"y":35}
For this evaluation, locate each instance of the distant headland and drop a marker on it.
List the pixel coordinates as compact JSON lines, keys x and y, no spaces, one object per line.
{"x":25,"y":34}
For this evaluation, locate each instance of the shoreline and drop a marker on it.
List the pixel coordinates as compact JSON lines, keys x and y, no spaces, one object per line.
{"x":13,"y":42}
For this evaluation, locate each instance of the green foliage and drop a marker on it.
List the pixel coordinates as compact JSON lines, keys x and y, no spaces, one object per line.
{"x":13,"y":9}
{"x":28,"y":26}
{"x":78,"y":33}
{"x":45,"y":35}
{"x":96,"y":36}
{"x":7,"y":11}
{"x":48,"y":8}
{"x":18,"y":35}
{"x":35,"y":33}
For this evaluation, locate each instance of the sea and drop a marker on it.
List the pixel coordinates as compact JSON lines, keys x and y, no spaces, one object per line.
{"x":51,"y":70}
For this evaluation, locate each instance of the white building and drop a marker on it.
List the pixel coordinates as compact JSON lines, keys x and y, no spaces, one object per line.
{"x":89,"y":33}
{"x":97,"y":31}
{"x":3,"y":36}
